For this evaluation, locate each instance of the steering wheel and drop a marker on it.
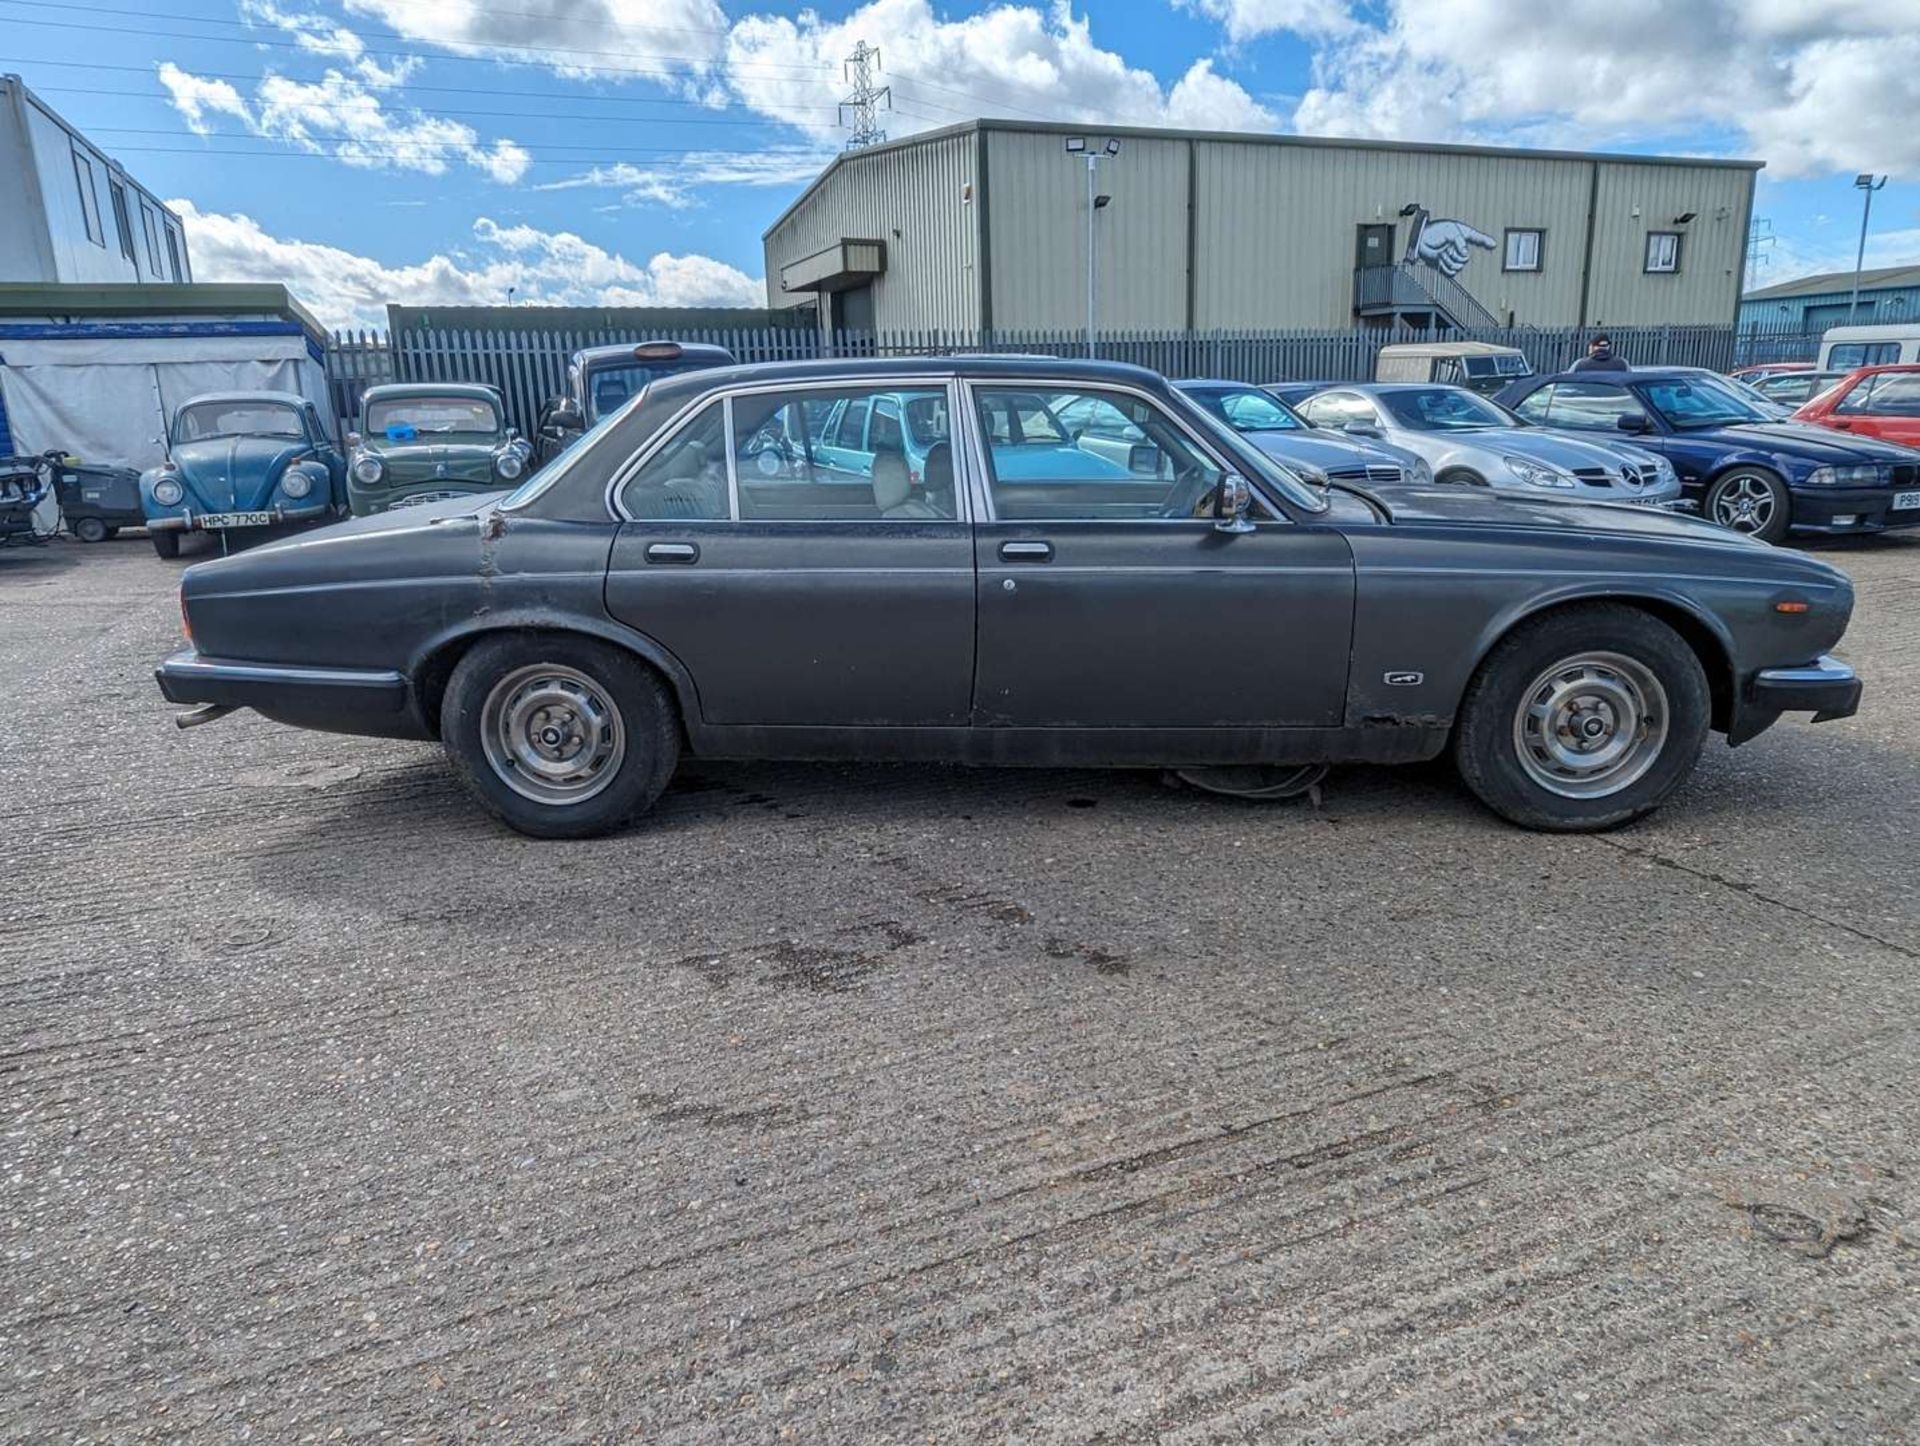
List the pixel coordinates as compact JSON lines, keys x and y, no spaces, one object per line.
{"x":1192,"y":489}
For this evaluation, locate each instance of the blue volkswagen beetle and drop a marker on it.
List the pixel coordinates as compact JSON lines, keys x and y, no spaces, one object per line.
{"x":1747,"y":471}
{"x":242,"y":460}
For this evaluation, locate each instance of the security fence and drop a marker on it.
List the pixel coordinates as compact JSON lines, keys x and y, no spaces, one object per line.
{"x":528,"y":366}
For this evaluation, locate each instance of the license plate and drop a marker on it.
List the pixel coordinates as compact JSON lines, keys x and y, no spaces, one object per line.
{"x":220,"y":520}
{"x":1903,"y":500}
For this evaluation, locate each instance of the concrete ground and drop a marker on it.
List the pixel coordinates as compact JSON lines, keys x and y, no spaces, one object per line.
{"x":862,"y":1104}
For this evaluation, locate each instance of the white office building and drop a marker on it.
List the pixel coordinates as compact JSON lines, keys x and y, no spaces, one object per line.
{"x":72,"y":214}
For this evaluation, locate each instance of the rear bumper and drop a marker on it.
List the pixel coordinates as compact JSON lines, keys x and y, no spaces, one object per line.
{"x":335,"y":700}
{"x":1827,"y":688}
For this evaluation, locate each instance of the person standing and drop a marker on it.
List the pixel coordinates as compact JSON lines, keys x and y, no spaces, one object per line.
{"x":1600,"y":357}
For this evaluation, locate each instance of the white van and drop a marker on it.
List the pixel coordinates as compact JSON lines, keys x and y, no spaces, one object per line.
{"x":1843,"y":348}
{"x":1480,"y":366}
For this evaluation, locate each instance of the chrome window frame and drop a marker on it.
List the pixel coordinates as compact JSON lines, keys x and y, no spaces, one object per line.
{"x":943,"y":382}
{"x":981,"y":469}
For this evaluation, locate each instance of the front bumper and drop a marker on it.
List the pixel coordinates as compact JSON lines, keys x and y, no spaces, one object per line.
{"x":1826,"y":688}
{"x":1842,"y":510}
{"x":190,"y":521}
{"x":336,"y":700}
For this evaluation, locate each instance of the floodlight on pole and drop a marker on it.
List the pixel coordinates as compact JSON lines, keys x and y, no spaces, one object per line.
{"x":1078,"y":146}
{"x":1867,"y":183}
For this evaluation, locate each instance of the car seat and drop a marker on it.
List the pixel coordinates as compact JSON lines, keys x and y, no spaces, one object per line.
{"x":893,"y":488}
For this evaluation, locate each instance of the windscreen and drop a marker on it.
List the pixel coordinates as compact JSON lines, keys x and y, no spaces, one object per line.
{"x":400,"y":419}
{"x":611,"y":385}
{"x":1441,"y":409}
{"x":236,"y":419}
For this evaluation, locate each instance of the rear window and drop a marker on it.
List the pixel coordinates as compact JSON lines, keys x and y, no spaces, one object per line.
{"x":610,"y":387}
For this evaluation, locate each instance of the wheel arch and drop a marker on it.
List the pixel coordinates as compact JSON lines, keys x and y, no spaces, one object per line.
{"x":1701,"y":632}
{"x":433,"y":664}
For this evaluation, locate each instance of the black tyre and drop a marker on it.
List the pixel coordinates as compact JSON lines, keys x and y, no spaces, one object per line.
{"x":167,"y":544}
{"x":559,"y":736}
{"x":1583,"y":720}
{"x":1750,"y":500}
{"x":91,"y":529}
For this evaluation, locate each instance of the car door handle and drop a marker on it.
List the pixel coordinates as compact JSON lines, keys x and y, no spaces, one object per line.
{"x":1026,"y":552}
{"x":672,"y":552}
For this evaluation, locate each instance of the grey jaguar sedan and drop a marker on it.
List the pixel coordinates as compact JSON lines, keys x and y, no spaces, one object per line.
{"x":1466,"y":438}
{"x":1001,"y":598}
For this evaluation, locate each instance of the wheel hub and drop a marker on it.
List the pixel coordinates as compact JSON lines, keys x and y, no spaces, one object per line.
{"x":552,"y":734}
{"x":1591,"y":726}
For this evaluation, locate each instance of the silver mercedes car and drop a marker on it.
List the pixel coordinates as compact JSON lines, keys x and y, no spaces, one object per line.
{"x":1466,"y":438}
{"x":1317,"y":454}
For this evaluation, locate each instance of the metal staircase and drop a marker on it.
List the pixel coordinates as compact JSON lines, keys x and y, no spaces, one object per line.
{"x":1412,"y":288}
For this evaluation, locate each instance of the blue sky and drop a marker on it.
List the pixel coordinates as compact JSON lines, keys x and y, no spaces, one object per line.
{"x":632,"y":151}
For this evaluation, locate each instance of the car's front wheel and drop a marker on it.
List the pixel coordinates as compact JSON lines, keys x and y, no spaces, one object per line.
{"x":1583,"y":720}
{"x":1751,"y":500}
{"x":560,"y":737}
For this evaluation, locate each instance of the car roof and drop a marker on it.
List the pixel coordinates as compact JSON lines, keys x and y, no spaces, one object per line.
{"x":288,"y":399}
{"x":479,"y":391}
{"x":698,"y":351}
{"x":1188,"y":384}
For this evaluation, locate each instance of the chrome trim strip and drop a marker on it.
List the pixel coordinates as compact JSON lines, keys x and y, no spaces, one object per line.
{"x":201,"y":667}
{"x":1826,"y":670}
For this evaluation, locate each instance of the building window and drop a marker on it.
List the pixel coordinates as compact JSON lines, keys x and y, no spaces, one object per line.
{"x":120,"y":221}
{"x":173,"y":254}
{"x":1524,"y":249}
{"x":153,"y":238}
{"x":89,"y":200}
{"x":1663,"y":251}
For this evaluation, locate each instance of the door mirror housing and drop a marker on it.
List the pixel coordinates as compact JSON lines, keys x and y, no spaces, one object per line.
{"x":1360,"y":429}
{"x":353,"y":440}
{"x":1232,"y":500}
{"x":1631,"y":422}
{"x":563,"y":415}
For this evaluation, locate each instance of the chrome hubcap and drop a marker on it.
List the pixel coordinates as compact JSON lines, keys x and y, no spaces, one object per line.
{"x":1590,"y":726}
{"x":1744,"y":502}
{"x":552,"y":734}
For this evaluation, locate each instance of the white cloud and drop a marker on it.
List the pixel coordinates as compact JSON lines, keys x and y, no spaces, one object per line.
{"x":342,"y":116}
{"x":611,"y":38}
{"x":344,"y":288}
{"x":670,"y":184}
{"x":1810,"y":88}
{"x":1011,"y":60}
{"x":1250,"y":19}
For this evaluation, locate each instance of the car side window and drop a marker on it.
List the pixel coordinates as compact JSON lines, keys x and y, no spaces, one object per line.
{"x":1040,"y":469}
{"x":1587,"y":406}
{"x":1892,"y":394}
{"x":686,"y":480}
{"x":850,"y":431}
{"x":787,"y":473}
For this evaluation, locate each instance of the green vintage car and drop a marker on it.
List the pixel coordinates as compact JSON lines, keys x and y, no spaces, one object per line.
{"x":421,"y":442}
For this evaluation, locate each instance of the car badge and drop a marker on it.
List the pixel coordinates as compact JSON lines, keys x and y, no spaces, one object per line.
{"x":440,"y":469}
{"x":1405,"y":680}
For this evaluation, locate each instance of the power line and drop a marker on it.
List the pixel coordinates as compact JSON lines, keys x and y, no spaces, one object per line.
{"x":520,"y":59}
{"x":795,"y":152}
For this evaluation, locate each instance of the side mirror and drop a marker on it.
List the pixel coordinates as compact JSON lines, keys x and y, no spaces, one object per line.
{"x":1361,"y":429}
{"x":1232,"y":500}
{"x":566,"y":415}
{"x":1631,"y":422}
{"x":513,"y":434}
{"x":353,"y":440}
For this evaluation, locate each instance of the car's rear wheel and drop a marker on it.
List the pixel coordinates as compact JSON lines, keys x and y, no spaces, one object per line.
{"x":167,"y":544}
{"x":559,"y":736}
{"x":1751,"y":500}
{"x":1583,"y":720}
{"x":91,"y":529}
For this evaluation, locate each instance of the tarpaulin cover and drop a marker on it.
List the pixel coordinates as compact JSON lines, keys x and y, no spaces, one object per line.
{"x":109,"y":401}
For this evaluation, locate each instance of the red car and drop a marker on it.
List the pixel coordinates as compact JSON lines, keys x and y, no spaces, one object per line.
{"x":1881,"y":402}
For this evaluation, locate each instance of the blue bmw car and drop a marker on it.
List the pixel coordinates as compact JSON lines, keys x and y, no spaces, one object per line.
{"x":1746,"y":471}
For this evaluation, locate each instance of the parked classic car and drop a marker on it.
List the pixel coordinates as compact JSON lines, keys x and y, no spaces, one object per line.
{"x":650,"y":594}
{"x":1881,"y":402}
{"x":1466,"y":439}
{"x":426,"y":441}
{"x":1749,"y":472}
{"x":1315,"y":453}
{"x":242,"y":460}
{"x":1479,"y":366}
{"x":600,"y":380}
